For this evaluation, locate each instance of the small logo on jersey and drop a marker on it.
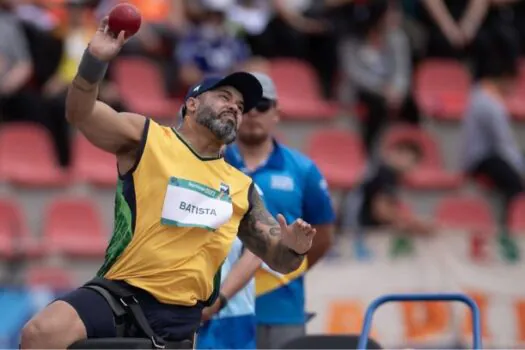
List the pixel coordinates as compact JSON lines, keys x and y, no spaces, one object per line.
{"x":196,"y":88}
{"x":281,"y":182}
{"x":224,"y":189}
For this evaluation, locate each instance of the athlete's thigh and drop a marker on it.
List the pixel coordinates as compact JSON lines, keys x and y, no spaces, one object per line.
{"x":93,"y":311}
{"x":56,"y":326}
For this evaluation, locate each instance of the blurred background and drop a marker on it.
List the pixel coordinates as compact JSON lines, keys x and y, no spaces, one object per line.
{"x":418,"y":101}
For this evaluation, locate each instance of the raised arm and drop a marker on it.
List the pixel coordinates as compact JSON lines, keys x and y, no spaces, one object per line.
{"x":118,"y":133}
{"x":281,"y":246}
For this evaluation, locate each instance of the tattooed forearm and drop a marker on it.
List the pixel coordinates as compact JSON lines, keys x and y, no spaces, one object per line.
{"x":261,"y":234}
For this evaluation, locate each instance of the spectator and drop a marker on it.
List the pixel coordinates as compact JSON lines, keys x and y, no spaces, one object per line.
{"x":41,"y":26}
{"x":375,"y":203}
{"x":490,"y":148}
{"x":17,"y":102}
{"x":210,"y":48}
{"x":376,"y":62}
{"x":301,"y":29}
{"x":452,"y":25}
{"x":79,"y":27}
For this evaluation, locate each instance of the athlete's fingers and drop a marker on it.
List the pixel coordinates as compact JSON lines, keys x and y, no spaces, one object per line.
{"x":103,"y":24}
{"x":282,"y":222}
{"x":121,"y":39}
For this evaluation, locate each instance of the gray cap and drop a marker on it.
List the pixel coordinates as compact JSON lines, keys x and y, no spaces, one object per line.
{"x":268,"y":87}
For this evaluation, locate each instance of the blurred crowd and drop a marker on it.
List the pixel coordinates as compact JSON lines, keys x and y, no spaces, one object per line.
{"x":364,"y":53}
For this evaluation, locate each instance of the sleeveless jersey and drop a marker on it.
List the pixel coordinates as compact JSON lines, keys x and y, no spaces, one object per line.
{"x":176,"y":216}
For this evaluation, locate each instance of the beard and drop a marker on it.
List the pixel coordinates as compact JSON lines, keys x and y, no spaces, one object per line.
{"x":225,"y":131}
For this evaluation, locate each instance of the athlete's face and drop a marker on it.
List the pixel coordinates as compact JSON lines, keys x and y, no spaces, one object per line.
{"x":258,"y":124}
{"x":220,"y":111}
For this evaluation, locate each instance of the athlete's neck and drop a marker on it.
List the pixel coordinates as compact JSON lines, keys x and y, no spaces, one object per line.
{"x":255,"y":155}
{"x":200,"y":139}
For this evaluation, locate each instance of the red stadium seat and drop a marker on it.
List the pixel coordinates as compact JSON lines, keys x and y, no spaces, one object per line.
{"x":93,"y":165}
{"x":466,"y":213}
{"x":141,"y":86}
{"x":27,"y":157}
{"x":339,"y":155}
{"x":430,"y":172}
{"x":15,"y":239}
{"x":442,"y":88}
{"x":73,"y":227}
{"x":50,"y":277}
{"x":516,"y":218}
{"x":299,"y":92}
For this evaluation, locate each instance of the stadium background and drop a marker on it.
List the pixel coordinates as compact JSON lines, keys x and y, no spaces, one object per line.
{"x":56,"y":207}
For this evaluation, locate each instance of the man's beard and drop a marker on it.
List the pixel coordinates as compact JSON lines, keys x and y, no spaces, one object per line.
{"x":225,"y":131}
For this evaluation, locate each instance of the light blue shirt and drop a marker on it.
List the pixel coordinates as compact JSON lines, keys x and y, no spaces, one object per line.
{"x":242,"y":303}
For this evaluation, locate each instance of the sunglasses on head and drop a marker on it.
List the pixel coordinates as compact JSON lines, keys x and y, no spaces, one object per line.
{"x":264,"y":105}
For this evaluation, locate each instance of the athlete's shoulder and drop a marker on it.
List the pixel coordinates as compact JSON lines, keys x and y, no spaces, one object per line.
{"x":236,"y":174}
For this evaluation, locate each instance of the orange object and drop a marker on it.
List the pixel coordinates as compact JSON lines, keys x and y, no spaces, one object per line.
{"x":152,"y":10}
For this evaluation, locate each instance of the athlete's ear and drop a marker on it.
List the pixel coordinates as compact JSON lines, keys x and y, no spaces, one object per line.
{"x":192,"y":104}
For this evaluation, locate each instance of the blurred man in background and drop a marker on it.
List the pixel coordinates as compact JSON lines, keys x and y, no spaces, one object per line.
{"x":490,"y":148}
{"x":209,"y":47}
{"x":376,"y":64}
{"x":375,"y":203}
{"x":291,"y":184}
{"x":16,"y":67}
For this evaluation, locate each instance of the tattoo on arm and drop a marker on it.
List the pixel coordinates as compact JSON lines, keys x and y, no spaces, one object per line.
{"x":261,"y":234}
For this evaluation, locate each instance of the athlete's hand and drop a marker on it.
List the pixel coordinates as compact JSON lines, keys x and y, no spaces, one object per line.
{"x":297,"y":236}
{"x":104,"y":45}
{"x":208,"y":312}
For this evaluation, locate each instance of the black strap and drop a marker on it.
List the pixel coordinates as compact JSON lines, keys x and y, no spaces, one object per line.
{"x":116,"y":307}
{"x":128,"y":300}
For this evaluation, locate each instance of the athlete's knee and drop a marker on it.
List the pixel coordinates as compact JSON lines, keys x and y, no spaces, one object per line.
{"x":57,"y":326}
{"x":33,"y":334}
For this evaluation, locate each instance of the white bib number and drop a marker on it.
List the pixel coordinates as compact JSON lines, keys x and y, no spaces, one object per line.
{"x":191,"y":204}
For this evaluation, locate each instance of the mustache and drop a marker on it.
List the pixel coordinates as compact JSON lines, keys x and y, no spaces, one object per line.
{"x":230,"y":112}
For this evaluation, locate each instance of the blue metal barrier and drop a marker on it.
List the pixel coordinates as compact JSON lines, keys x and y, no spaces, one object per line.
{"x":476,"y":319}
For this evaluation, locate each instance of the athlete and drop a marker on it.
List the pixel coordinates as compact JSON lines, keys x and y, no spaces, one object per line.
{"x":291,"y":184}
{"x":178,"y":208}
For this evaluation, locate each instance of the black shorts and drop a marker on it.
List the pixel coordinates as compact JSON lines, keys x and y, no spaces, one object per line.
{"x":171,"y":322}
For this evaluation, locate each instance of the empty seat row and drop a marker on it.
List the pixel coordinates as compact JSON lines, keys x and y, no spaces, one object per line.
{"x":339,"y":154}
{"x":441,"y":89}
{"x":27,"y":158}
{"x":141,"y":87}
{"x":72,"y":227}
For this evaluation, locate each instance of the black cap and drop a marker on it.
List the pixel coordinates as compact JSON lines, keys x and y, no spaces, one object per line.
{"x":245,"y":83}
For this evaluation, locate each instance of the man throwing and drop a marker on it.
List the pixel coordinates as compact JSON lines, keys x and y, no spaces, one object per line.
{"x":178,"y":208}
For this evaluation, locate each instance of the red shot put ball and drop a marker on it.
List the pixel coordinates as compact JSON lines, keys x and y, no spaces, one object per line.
{"x":124,"y":17}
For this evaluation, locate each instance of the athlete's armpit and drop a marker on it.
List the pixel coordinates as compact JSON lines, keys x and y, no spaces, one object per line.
{"x":261,"y":234}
